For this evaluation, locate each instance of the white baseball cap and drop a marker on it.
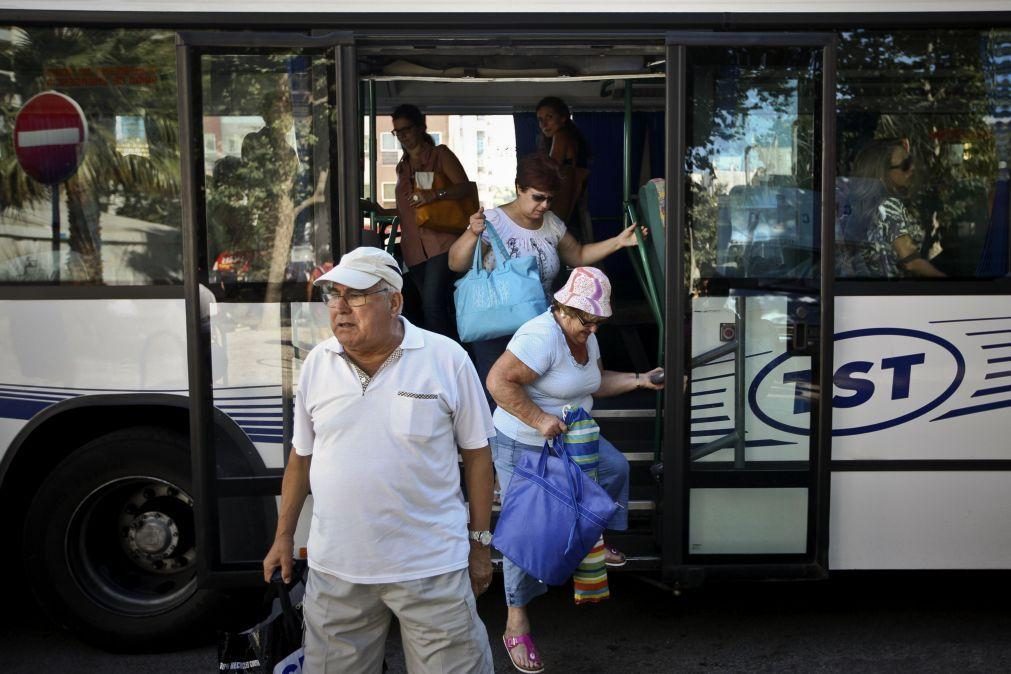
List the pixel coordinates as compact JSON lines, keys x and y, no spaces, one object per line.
{"x":364,"y":267}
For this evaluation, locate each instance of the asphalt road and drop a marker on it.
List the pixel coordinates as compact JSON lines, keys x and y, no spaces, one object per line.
{"x":933,"y":623}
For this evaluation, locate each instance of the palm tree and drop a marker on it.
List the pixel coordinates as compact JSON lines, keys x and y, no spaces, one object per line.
{"x":110,"y":73}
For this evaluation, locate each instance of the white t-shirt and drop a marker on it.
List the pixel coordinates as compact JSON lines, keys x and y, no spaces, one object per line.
{"x":540,"y":345}
{"x":385,"y":476}
{"x":541,"y":243}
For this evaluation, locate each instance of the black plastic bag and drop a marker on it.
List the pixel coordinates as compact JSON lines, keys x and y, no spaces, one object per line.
{"x":274,"y":645}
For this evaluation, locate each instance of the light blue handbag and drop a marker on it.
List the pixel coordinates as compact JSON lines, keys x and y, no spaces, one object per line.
{"x":496,"y":303}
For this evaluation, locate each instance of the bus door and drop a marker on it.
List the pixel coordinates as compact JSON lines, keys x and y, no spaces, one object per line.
{"x":750,"y":153}
{"x":269,"y":141}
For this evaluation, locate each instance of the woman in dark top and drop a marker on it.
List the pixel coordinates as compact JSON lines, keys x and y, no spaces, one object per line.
{"x":561,"y":140}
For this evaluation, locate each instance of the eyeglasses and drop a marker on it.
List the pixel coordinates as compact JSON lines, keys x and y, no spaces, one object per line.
{"x":904,"y":165}
{"x":331,"y":297}
{"x":541,"y":198}
{"x":399,"y":133}
{"x":587,"y":323}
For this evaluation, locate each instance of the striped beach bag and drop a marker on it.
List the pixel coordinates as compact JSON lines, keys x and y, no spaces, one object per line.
{"x":582,"y":440}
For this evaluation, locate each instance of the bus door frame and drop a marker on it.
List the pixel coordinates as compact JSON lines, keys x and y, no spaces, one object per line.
{"x":674,"y":505}
{"x":344,"y":151}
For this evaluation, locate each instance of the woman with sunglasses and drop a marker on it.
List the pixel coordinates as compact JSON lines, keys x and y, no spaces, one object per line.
{"x":552,"y":361}
{"x":527,"y":226}
{"x":425,"y":250}
{"x":878,"y":237}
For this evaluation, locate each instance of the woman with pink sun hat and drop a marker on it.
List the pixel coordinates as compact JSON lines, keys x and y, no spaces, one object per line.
{"x":551,"y":362}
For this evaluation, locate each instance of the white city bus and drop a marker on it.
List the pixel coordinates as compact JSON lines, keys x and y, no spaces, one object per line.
{"x":157,"y":304}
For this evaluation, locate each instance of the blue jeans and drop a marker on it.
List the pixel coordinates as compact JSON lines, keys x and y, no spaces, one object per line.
{"x":434,"y":280}
{"x":612,"y":474}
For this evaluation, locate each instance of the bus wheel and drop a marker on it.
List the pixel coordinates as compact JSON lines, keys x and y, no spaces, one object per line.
{"x":111,"y":543}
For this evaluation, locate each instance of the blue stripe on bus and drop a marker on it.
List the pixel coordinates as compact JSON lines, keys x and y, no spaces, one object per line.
{"x":267,"y":438}
{"x":704,"y":420}
{"x":970,"y":320}
{"x":987,"y":332}
{"x":707,"y":406}
{"x":39,"y":395}
{"x":21,"y":409}
{"x":714,"y":431}
{"x":705,"y":393}
{"x":998,"y":375}
{"x":1003,"y":359}
{"x":991,"y":391}
{"x":974,"y":409}
{"x":23,"y":396}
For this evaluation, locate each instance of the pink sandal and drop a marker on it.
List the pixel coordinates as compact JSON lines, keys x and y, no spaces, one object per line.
{"x":532,"y":654}
{"x":613,"y":557}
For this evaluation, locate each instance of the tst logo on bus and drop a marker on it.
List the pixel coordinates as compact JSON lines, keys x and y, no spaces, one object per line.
{"x":884,"y":377}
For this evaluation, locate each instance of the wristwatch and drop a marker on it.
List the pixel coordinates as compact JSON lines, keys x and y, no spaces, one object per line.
{"x":482,"y":537}
{"x":441,"y":194}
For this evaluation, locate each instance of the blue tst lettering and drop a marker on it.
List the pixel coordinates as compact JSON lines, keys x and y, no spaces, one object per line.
{"x":862,"y":389}
{"x":903,"y":366}
{"x":802,"y":390}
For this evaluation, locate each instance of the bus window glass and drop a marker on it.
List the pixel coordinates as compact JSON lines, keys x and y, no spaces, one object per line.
{"x":267,"y":218}
{"x":751,"y":158}
{"x":119,"y":215}
{"x":923,"y":150}
{"x":484,"y":144}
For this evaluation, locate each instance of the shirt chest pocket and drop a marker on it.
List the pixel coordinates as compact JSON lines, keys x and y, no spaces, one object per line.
{"x":415,"y":415}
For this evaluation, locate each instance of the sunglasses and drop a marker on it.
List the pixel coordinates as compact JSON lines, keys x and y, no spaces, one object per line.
{"x":399,"y":133}
{"x":904,"y":165}
{"x":586,"y":322}
{"x":541,"y":198}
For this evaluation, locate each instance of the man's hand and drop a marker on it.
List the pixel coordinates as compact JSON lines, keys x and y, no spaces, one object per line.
{"x":281,"y":554}
{"x":480,"y":567}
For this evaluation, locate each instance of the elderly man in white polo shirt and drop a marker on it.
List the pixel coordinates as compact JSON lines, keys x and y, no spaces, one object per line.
{"x":382,"y":412}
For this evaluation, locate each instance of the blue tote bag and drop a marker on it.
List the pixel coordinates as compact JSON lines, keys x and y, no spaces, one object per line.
{"x":552,"y":515}
{"x":496,"y":303}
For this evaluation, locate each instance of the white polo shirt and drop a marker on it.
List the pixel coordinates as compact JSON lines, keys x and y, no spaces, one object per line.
{"x":385,"y":479}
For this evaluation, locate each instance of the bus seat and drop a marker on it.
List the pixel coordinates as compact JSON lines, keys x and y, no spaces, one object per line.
{"x":652,"y":209}
{"x":765,"y":231}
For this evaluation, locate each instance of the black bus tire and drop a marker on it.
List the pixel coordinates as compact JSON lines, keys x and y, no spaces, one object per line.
{"x":110,"y":544}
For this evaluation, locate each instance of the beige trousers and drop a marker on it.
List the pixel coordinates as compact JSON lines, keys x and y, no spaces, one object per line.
{"x":346,"y":625}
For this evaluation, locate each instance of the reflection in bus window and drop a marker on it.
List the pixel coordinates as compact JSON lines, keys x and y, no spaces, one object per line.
{"x":945,"y":92}
{"x":119,"y":214}
{"x":266,"y":216}
{"x":751,"y":159}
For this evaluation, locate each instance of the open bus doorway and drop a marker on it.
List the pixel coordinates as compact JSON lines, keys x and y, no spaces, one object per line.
{"x":615,"y":93}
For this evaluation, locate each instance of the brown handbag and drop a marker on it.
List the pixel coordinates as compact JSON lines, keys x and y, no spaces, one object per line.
{"x":448,"y":215}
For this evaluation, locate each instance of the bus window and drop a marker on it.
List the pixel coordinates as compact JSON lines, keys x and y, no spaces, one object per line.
{"x":751,"y":158}
{"x":923,"y":151}
{"x":267,"y":218}
{"x":119,"y":214}
{"x":484,"y":144}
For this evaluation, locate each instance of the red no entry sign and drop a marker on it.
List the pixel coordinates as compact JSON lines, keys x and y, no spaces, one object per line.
{"x":49,"y":136}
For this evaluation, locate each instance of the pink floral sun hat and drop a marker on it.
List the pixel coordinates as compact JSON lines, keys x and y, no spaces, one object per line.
{"x":587,"y":290}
